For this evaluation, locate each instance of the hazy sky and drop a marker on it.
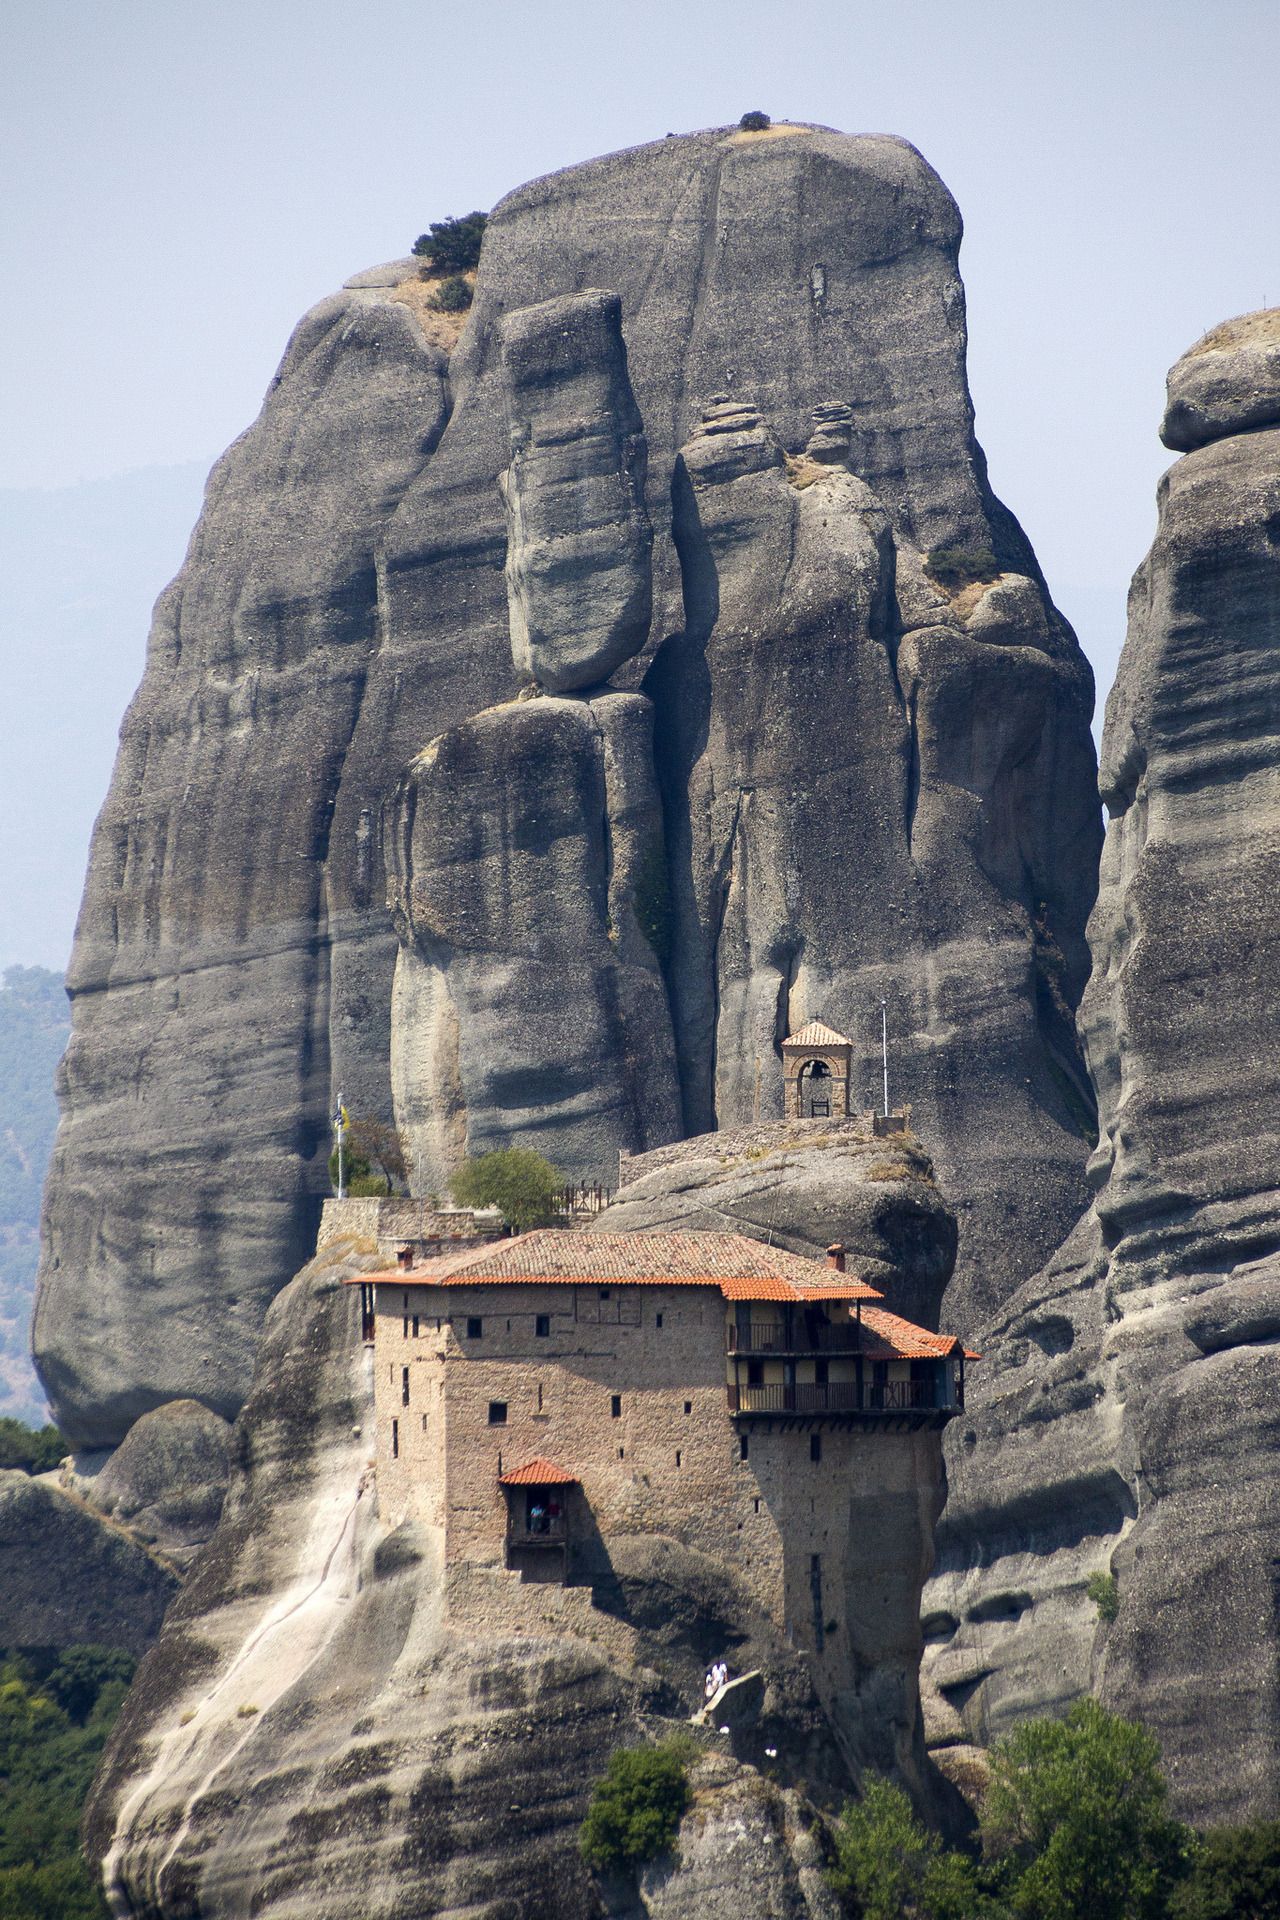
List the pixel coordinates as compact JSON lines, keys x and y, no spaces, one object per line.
{"x":182,"y":181}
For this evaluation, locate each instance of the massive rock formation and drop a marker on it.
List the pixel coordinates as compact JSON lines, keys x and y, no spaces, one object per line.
{"x":1125,"y":1419}
{"x":67,"y":1576}
{"x":871,"y":785}
{"x":331,"y":1725}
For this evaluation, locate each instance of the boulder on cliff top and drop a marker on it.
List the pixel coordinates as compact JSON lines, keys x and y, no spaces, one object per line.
{"x":167,"y":1479}
{"x":1229,"y":382}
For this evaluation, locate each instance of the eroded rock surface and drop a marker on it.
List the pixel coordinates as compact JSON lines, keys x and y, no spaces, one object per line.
{"x":862,"y":816}
{"x":529,"y":1003}
{"x":332,"y":1725}
{"x":167,"y":1479}
{"x":67,"y":1576}
{"x":578,"y":544}
{"x":1124,"y":1420}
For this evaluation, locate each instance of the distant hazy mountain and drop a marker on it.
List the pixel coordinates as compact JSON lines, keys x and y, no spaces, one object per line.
{"x":33,"y":1032}
{"x":81,"y":567}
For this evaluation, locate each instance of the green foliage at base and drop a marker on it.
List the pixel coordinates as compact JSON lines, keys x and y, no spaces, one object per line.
{"x":55,"y":1714}
{"x":1075,"y":1826}
{"x":519,"y":1182}
{"x":453,"y":244}
{"x":453,"y":295}
{"x":1104,"y":1591}
{"x":956,"y":567}
{"x":34,"y":1449}
{"x":1235,"y":1875}
{"x":636,"y":1809}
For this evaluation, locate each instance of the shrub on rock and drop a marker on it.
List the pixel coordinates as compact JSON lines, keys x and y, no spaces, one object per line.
{"x":636,"y":1809}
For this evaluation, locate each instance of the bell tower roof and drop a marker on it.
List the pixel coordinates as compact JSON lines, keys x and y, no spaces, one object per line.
{"x":817,"y":1034}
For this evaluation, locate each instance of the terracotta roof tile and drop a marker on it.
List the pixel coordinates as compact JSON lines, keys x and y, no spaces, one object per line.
{"x":887,"y":1336}
{"x":743,"y":1269}
{"x":538,"y":1473}
{"x":817,"y":1034}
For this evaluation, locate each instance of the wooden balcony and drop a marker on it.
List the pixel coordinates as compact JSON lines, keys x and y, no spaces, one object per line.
{"x":920,"y":1402}
{"x":554,"y":1533}
{"x":775,"y":1336}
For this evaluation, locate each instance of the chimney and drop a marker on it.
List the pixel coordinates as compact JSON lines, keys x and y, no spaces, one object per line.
{"x":835,"y":1256}
{"x":404,"y":1257}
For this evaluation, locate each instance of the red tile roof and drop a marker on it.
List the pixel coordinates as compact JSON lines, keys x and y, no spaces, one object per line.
{"x":742,"y":1269}
{"x":888,"y":1337}
{"x":817,"y":1034}
{"x":538,"y":1473}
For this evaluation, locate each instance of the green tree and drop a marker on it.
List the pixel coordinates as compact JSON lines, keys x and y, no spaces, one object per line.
{"x":454,"y":244}
{"x":519,"y":1182}
{"x":374,"y":1156}
{"x":34,"y":1449}
{"x":1235,"y":1875}
{"x":453,"y":295}
{"x":635,"y":1811}
{"x":1104,"y":1591}
{"x":47,"y":1760}
{"x":890,"y":1867}
{"x":1077,"y":1814}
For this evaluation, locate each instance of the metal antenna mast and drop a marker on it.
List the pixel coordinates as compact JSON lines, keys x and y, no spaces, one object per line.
{"x":884,"y":1051}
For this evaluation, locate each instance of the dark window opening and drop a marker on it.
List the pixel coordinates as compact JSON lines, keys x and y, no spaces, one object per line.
{"x":622,"y":1453}
{"x":475,"y":1329}
{"x":404,"y":1386}
{"x":615,"y":1407}
{"x":744,"y":1450}
{"x":820,"y":1373}
{"x":542,"y":1326}
{"x":415,"y":1326}
{"x":657,"y":1319}
{"x":424,"y":1423}
{"x":755,"y":1373}
{"x":688,"y":1406}
{"x":604,"y":1293}
{"x":815,"y":1446}
{"x":539,"y":1396}
{"x":497,"y":1413}
{"x":815,"y":1594}
{"x":677,"y":1456}
{"x":404,"y":1331}
{"x":395,"y":1439}
{"x":757,"y":1505}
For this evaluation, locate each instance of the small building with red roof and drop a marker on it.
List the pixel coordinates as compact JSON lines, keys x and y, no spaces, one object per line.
{"x":538,"y":1398}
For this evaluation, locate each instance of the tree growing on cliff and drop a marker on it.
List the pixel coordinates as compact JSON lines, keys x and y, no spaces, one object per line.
{"x":636,"y":1809}
{"x":454,"y":244}
{"x":1077,"y":1813}
{"x":888,"y":1865}
{"x":519,"y":1182}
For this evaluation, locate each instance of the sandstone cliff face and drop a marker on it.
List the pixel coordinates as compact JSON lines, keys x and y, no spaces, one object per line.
{"x":332,"y":1725}
{"x":1125,"y":1419}
{"x":868,"y":786}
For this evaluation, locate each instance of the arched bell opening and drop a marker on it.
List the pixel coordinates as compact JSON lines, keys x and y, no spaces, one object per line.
{"x":815,"y":1090}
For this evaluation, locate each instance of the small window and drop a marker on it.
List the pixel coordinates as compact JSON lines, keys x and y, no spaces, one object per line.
{"x":622,"y":1452}
{"x":755,"y":1373}
{"x":604,"y":1293}
{"x":815,"y":1446}
{"x":405,"y":1328}
{"x":475,"y":1328}
{"x":404,"y":1386}
{"x":688,"y":1406}
{"x":542,"y":1326}
{"x":744,"y":1446}
{"x":497,"y":1413}
{"x":415,"y":1326}
{"x":757,"y":1506}
{"x":657,"y":1320}
{"x":424,"y":1423}
{"x":615,"y":1407}
{"x":677,"y":1456}
{"x":395,"y":1439}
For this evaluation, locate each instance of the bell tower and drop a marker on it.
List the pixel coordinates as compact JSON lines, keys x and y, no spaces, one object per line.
{"x":816,"y":1064}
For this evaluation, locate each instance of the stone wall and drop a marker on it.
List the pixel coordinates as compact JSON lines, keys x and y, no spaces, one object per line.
{"x":397,"y":1218}
{"x":832,"y":1549}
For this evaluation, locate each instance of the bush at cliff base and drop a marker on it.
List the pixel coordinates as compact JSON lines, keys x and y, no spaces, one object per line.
{"x":1075,"y":1826}
{"x":33,"y":1449}
{"x":636,"y":1809}
{"x":55,"y":1714}
{"x":517,"y":1181}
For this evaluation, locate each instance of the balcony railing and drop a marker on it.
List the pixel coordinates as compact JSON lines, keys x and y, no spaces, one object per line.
{"x":893,"y":1396}
{"x":553,"y":1534}
{"x":774,"y":1336}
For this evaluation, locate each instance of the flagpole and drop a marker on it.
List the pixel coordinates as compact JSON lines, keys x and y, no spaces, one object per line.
{"x":884,"y":1051}
{"x":342,"y":1116}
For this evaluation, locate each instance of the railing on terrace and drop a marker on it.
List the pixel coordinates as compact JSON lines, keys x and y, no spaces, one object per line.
{"x":773,"y":1336}
{"x":580,"y":1200}
{"x":553,"y":1534}
{"x":893,"y":1396}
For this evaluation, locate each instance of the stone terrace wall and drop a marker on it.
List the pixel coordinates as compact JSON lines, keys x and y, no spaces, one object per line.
{"x":395,"y":1218}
